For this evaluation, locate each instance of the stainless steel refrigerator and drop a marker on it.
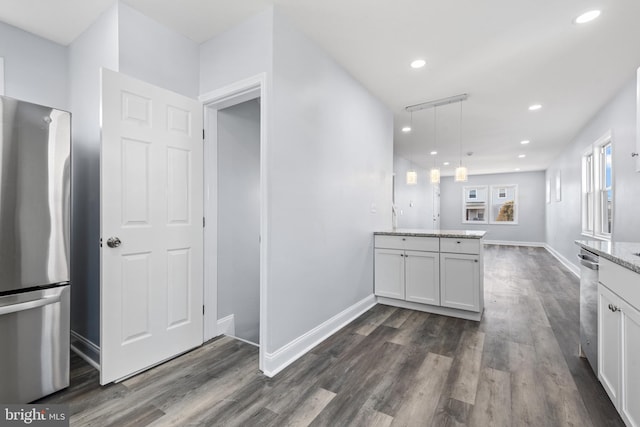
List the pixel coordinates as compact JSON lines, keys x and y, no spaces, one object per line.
{"x":35,"y":194}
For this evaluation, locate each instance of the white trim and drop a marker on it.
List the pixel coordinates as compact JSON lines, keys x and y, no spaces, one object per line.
{"x":564,"y":261}
{"x":1,"y":75}
{"x":85,"y":342}
{"x":510,"y":243}
{"x":227,"y":325}
{"x":286,"y":355}
{"x":234,"y":93}
{"x":435,"y":309}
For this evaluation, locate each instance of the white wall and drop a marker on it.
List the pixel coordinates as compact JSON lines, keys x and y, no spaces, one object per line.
{"x":95,"y":48}
{"x":239,"y":217}
{"x":35,"y":69}
{"x":240,"y":52}
{"x":531,"y":211}
{"x":156,"y":54}
{"x":330,"y":160}
{"x":414,"y":203}
{"x":563,"y":218}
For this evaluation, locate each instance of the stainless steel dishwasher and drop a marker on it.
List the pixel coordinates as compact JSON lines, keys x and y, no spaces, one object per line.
{"x":589,"y":307}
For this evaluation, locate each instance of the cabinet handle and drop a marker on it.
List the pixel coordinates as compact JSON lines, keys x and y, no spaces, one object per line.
{"x":403,"y":239}
{"x":458,"y":242}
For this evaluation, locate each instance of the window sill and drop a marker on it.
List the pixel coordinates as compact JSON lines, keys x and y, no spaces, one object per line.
{"x":597,"y":237}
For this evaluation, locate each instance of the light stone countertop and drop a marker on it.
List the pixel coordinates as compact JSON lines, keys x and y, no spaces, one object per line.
{"x":621,"y":253}
{"x":418,"y":232}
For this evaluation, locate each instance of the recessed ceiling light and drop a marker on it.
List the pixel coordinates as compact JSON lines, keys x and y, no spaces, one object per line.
{"x":516,"y":169}
{"x":418,"y":63}
{"x":433,"y":153}
{"x":406,"y":129}
{"x":446,"y":163}
{"x":587,"y":17}
{"x":525,"y":142}
{"x":535,"y":107}
{"x":522,"y":156}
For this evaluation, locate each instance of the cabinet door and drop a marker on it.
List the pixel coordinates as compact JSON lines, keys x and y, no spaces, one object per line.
{"x":630,"y":366}
{"x":389,"y":273}
{"x":460,"y":281}
{"x":609,"y":325}
{"x":422,"y":277}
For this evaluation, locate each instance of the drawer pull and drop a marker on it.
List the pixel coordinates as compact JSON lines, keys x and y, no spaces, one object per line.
{"x":458,"y":242}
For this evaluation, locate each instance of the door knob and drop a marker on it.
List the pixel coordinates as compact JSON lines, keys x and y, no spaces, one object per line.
{"x":113,"y":242}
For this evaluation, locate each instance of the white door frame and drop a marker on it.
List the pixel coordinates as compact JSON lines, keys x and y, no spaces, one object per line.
{"x":218,"y":99}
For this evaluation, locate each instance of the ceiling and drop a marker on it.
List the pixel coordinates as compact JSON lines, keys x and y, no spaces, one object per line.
{"x":505,"y":54}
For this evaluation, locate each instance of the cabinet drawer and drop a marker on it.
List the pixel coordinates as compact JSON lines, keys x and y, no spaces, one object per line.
{"x":460,"y":246}
{"x":411,"y":243}
{"x":624,"y":282}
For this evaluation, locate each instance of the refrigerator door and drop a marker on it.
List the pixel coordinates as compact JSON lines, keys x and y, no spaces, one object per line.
{"x":34,"y":195}
{"x":34,"y":355}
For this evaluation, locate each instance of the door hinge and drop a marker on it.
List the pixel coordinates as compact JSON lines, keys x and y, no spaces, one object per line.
{"x":203,"y":222}
{"x":203,"y":309}
{"x":203,"y":134}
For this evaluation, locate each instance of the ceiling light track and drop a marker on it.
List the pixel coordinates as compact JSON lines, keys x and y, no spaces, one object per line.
{"x":437,"y":102}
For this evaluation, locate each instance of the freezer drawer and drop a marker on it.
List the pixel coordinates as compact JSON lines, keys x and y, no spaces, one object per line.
{"x":34,"y":355}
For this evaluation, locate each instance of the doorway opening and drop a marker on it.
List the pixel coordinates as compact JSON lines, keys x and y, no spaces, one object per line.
{"x":235,"y":212}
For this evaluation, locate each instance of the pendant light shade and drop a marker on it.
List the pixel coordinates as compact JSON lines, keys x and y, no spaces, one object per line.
{"x":435,"y":175}
{"x":461,"y":174}
{"x":412,"y":177}
{"x":461,"y":171}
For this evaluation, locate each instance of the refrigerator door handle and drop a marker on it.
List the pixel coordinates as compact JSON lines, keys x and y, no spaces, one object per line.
{"x":22,"y":306}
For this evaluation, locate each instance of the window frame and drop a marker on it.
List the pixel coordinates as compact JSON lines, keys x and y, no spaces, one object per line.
{"x":594,"y":190}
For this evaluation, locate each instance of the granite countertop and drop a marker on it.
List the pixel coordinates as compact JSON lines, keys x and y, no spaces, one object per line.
{"x":418,"y":232}
{"x":621,"y":253}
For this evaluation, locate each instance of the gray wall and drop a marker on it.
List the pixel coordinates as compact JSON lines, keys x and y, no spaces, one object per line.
{"x":564,"y":217}
{"x":122,"y":40}
{"x":330,"y":159}
{"x":238,"y":53}
{"x":156,"y":54}
{"x":531,"y":211}
{"x":95,"y":48}
{"x":35,"y":69}
{"x":414,"y":203}
{"x":239,"y":217}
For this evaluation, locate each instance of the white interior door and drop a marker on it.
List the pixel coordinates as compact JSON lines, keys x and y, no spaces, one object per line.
{"x":151,"y":201}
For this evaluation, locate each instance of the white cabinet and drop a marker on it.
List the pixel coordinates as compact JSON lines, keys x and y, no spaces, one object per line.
{"x":422,"y":277}
{"x":406,"y":268}
{"x":439,"y":275}
{"x":609,"y":348}
{"x":389,"y":273}
{"x":460,"y":281}
{"x":619,"y":338}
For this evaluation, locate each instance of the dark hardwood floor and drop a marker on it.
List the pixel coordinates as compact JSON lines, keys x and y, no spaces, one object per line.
{"x":517,"y":367}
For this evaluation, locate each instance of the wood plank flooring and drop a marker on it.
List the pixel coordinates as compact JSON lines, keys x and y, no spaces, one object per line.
{"x":390,"y":367}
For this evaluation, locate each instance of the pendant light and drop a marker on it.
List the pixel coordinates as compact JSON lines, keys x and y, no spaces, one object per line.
{"x":461,"y":171}
{"x":435,"y":171}
{"x":412,"y":175}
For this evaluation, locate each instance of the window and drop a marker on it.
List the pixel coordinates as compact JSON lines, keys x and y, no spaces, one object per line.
{"x":597,"y":189}
{"x":474,"y":205}
{"x":504,"y":204}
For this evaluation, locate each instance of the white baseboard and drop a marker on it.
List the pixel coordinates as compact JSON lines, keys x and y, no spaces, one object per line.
{"x":510,"y":243}
{"x":227,"y":325}
{"x":86,"y":349}
{"x":286,"y":355}
{"x":564,"y":261}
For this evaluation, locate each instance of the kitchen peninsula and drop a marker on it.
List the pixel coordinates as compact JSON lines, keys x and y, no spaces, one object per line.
{"x":437,"y":271}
